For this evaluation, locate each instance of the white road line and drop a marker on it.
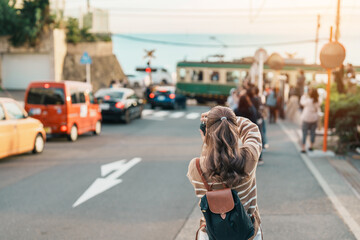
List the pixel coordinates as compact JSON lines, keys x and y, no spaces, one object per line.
{"x":161,"y":114}
{"x":193,"y":116}
{"x":343,"y":212}
{"x":177,"y":115}
{"x":147,"y":112}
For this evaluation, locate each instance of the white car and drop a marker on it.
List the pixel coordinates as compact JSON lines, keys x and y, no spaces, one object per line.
{"x":136,"y":80}
{"x":159,"y":75}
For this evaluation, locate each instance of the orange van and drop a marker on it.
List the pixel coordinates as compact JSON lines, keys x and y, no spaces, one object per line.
{"x":65,"y":108}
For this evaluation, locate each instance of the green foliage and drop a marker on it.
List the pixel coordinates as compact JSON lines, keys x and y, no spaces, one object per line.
{"x":73,"y":32}
{"x":8,"y":18}
{"x":24,"y":25}
{"x":345,"y":118}
{"x":75,"y":35}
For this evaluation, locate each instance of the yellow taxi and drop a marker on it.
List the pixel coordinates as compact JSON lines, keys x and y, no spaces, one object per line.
{"x":19,"y":133}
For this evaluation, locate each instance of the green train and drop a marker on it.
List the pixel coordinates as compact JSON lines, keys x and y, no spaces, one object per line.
{"x":212,"y":81}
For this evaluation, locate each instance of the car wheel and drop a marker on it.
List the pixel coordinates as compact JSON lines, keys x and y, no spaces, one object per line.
{"x":39,"y":144}
{"x":140,"y":112}
{"x":127,"y":118}
{"x":97,"y":130}
{"x":73,"y":134}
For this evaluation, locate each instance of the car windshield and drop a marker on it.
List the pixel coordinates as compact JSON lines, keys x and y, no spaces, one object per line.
{"x":46,"y":96}
{"x":110,"y":93}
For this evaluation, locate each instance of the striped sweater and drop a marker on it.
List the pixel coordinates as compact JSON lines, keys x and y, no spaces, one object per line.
{"x":250,"y":138}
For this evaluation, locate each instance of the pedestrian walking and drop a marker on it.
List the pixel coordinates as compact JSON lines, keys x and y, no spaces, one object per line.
{"x":309,"y":117}
{"x":272,"y":103}
{"x":256,"y":101}
{"x":223,"y":164}
{"x":233,"y":99}
{"x":300,"y":83}
{"x":292,"y":106}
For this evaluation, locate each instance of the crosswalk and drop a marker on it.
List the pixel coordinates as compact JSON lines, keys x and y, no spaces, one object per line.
{"x":162,"y":115}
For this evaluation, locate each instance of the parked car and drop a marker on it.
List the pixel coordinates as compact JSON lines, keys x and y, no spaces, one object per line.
{"x":167,"y":97}
{"x":19,"y":133}
{"x":119,"y":104}
{"x":65,"y":108}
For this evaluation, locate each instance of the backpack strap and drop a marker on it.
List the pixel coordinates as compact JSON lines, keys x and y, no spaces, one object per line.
{"x":202,"y":175}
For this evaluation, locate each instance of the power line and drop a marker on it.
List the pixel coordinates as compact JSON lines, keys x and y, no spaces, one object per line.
{"x":182,"y":44}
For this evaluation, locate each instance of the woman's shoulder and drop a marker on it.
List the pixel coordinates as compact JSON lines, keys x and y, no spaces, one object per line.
{"x":192,"y":170}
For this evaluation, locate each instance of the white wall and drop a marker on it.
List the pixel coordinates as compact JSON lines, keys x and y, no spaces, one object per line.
{"x":18,"y":70}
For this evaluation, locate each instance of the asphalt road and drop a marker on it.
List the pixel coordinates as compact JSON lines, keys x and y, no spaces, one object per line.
{"x":37,"y":192}
{"x":154,"y":199}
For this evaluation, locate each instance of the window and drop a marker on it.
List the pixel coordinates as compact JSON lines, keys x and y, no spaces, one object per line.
{"x":46,"y":96}
{"x":113,"y":94}
{"x":91,"y":98}
{"x":2,"y":114}
{"x":74,"y":98}
{"x":82,"y":97}
{"x":214,"y":76}
{"x":13,"y":110}
{"x":233,"y":77}
{"x":182,"y":73}
{"x":197,"y":76}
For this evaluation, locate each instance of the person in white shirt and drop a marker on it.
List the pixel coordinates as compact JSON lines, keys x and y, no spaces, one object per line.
{"x":309,"y":117}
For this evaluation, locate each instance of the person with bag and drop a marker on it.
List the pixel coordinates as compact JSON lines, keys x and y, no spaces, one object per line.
{"x":309,"y":117}
{"x":224,"y":177}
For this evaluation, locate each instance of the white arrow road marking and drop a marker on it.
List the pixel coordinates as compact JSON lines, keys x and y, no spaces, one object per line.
{"x":108,"y":168}
{"x":193,"y":115}
{"x":177,"y":115}
{"x":100,"y":185}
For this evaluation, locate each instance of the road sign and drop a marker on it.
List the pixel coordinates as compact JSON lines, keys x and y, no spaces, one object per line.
{"x":110,"y":177}
{"x":85,"y":59}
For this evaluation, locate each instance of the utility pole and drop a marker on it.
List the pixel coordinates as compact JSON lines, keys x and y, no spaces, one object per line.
{"x":88,"y":6}
{"x":317,"y":37}
{"x":337,"y":30}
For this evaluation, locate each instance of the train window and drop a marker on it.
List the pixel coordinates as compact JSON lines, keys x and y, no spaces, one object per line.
{"x":197,"y":76}
{"x":233,"y":77}
{"x":214,"y":76}
{"x":182,"y":73}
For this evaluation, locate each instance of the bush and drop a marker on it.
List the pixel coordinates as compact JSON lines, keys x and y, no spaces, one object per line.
{"x":75,"y":35}
{"x":345,"y":118}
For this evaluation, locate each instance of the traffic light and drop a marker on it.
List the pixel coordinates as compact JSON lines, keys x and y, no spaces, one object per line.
{"x":148,"y":70}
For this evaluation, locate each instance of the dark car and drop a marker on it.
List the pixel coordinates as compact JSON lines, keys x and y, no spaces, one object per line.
{"x":167,"y":97}
{"x":119,"y":104}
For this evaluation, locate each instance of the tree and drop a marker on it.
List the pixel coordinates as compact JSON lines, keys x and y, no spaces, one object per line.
{"x":8,"y":18}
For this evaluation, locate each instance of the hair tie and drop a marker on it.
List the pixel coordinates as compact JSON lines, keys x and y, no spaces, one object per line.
{"x":223,"y":118}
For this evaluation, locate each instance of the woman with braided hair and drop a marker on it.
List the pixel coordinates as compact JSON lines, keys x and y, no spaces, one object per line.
{"x":230,"y":153}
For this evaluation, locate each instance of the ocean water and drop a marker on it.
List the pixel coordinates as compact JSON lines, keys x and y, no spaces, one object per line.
{"x":131,"y":52}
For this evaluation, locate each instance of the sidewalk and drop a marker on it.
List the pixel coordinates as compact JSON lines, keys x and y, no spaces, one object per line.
{"x":301,"y":196}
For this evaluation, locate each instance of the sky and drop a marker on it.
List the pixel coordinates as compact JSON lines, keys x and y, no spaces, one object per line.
{"x":293,"y":17}
{"x":231,"y":21}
